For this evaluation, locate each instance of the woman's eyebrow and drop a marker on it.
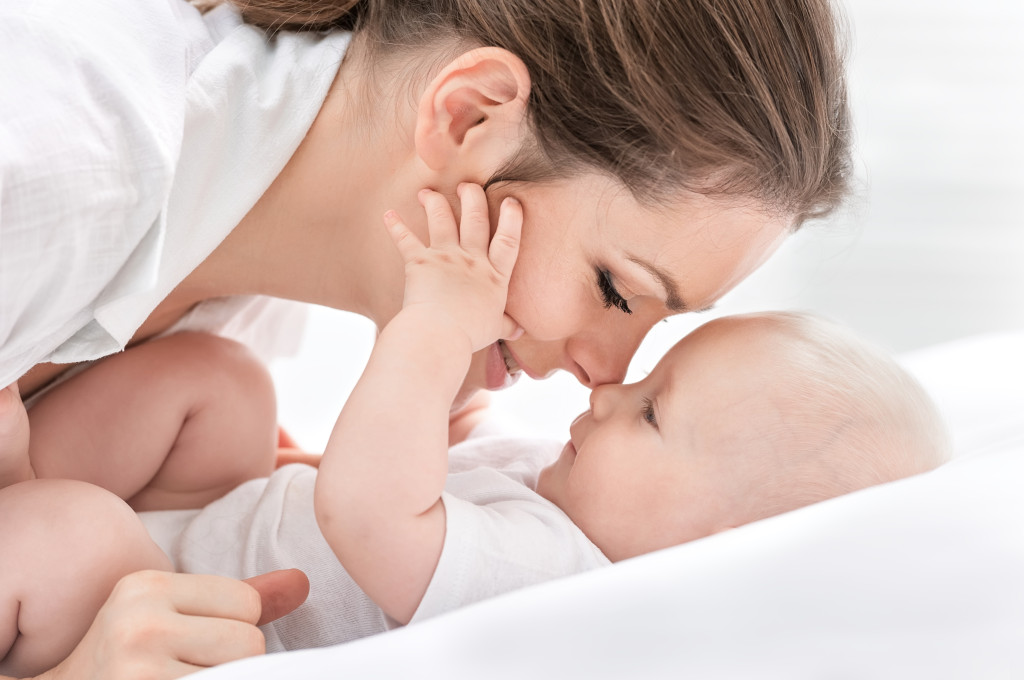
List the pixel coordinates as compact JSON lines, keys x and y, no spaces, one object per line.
{"x":673,"y":300}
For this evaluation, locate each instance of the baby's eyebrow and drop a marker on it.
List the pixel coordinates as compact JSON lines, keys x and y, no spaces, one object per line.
{"x":673,"y":300}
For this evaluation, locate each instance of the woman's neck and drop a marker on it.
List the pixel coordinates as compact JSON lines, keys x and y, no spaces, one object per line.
{"x":316,"y":234}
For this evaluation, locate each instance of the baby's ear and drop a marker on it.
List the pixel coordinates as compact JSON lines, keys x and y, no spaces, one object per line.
{"x":472,"y":115}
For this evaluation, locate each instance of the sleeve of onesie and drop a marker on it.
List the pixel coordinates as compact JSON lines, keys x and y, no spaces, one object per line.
{"x":91,"y":114}
{"x":502,"y":546}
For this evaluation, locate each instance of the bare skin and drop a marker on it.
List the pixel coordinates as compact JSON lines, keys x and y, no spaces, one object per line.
{"x":174,"y":423}
{"x":162,"y":625}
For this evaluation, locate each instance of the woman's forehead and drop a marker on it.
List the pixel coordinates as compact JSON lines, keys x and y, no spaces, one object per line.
{"x":698,"y":253}
{"x":695,"y":249}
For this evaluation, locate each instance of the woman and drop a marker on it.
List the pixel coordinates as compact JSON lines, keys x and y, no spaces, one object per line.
{"x":163,"y":163}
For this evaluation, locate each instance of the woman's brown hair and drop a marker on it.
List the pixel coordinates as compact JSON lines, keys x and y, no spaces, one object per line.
{"x":743,"y":98}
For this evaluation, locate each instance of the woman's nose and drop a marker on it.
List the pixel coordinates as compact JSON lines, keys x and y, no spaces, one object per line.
{"x":603,"y":359}
{"x":601,"y":400}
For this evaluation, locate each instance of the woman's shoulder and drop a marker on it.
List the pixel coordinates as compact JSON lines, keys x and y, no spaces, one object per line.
{"x":103,"y":36}
{"x":92,"y":98}
{"x":98,"y":93}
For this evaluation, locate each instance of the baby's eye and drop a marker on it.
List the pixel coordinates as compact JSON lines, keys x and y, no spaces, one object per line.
{"x":609,"y":293}
{"x":647,"y":413}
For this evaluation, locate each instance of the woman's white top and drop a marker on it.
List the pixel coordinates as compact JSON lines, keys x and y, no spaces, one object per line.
{"x":134,"y":136}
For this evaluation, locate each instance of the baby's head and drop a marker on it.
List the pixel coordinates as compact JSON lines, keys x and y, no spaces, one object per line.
{"x":744,"y":418}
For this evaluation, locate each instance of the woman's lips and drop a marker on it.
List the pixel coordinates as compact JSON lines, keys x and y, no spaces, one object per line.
{"x":502,"y":369}
{"x":513,"y":360}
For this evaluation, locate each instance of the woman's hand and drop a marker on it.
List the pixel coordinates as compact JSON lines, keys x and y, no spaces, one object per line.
{"x":289,"y":451}
{"x":463,"y":273}
{"x":160,"y":625}
{"x":289,"y":456}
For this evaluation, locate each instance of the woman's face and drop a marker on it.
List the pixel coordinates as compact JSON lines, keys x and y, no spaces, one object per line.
{"x":590,"y":252}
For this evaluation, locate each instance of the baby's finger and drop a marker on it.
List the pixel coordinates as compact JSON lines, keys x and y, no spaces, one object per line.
{"x":407,"y":243}
{"x":510,"y":330}
{"x":505,"y":244}
{"x":441,"y":226}
{"x":475,"y":225}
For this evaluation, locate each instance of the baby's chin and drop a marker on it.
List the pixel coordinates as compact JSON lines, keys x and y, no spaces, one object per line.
{"x":544,"y":483}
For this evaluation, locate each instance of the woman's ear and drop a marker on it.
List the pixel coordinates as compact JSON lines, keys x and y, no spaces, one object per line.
{"x":472,"y":115}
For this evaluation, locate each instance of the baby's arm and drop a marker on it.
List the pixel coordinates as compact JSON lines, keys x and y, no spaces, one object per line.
{"x":378,"y":493}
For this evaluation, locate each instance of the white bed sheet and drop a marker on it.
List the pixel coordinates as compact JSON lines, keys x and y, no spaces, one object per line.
{"x":922,"y":578}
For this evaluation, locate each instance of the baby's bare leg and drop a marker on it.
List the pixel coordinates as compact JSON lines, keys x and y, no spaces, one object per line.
{"x":14,"y":463}
{"x":63,"y":546}
{"x":171,"y":423}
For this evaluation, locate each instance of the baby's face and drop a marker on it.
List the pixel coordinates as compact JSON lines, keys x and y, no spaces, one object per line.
{"x":663,"y":461}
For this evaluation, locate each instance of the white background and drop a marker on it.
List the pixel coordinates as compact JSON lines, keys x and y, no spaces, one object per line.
{"x":931,"y":249}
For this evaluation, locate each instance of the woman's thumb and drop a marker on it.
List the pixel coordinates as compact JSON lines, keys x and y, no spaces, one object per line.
{"x":280,"y":592}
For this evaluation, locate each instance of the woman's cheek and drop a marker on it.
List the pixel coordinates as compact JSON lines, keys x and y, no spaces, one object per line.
{"x":553,"y":312}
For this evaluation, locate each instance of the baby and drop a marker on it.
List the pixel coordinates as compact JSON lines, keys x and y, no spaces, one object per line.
{"x":745,"y":418}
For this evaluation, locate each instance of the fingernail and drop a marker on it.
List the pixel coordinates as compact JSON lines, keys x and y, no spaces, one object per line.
{"x":390,"y":218}
{"x":511,"y":200}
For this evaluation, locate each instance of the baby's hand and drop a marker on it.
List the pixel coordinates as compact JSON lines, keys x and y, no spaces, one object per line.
{"x":463,"y":274}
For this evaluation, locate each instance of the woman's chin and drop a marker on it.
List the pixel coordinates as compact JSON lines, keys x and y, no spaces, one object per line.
{"x":487,"y":371}
{"x":471,"y":385}
{"x":461,"y":400}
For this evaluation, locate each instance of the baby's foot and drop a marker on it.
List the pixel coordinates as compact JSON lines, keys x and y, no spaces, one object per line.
{"x":14,"y":462}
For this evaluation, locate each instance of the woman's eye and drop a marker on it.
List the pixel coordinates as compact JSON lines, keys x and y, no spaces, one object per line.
{"x":609,"y":293}
{"x":647,"y":413}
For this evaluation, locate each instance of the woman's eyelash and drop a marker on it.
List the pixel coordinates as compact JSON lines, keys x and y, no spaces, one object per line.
{"x":647,"y":413}
{"x":609,"y":293}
